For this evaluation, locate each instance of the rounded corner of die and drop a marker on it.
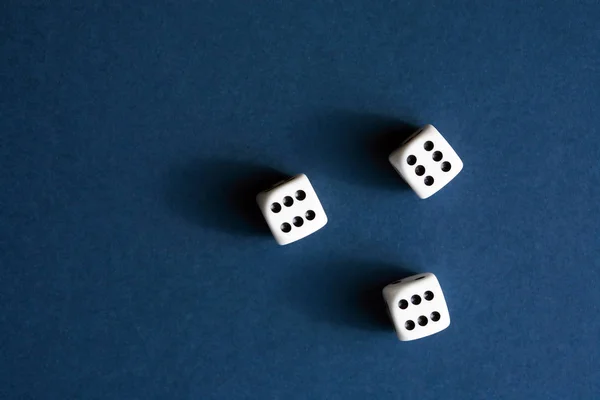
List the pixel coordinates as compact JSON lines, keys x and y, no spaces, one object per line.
{"x":262,"y":198}
{"x":387,"y":296}
{"x":396,"y":155}
{"x":423,"y":195}
{"x":385,"y":291}
{"x":300,"y":177}
{"x":282,"y":241}
{"x":404,"y":338}
{"x":430,"y":128}
{"x":460,"y":165}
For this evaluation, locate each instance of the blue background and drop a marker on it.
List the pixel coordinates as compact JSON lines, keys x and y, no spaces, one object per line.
{"x":135,"y":135}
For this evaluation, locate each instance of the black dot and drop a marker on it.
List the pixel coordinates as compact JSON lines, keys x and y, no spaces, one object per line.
{"x":310,"y":215}
{"x":411,"y":160}
{"x":403,"y":304}
{"x":298,"y":221}
{"x":409,"y":325}
{"x":416,"y":299}
{"x":435,"y":316}
{"x":276,"y":207}
{"x":428,"y":145}
{"x":422,"y":320}
{"x":285,"y":227}
{"x":428,"y":295}
{"x":437,"y":156}
{"x":420,"y":170}
{"x":446,"y":166}
{"x":428,"y":180}
{"x":300,"y":195}
{"x":288,"y":201}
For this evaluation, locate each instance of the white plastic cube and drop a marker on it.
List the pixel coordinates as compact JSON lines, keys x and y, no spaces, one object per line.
{"x":292,"y":209}
{"x":417,"y":306}
{"x":426,"y":161}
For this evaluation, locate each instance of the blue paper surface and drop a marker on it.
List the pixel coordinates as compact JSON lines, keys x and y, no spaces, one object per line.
{"x":135,"y":135}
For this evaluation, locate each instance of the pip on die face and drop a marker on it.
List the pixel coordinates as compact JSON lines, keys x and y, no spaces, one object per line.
{"x":292,"y":209}
{"x":417,"y":306}
{"x":426,"y":161}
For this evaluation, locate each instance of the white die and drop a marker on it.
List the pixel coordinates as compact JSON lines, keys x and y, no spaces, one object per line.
{"x":292,"y":209}
{"x":417,"y":306}
{"x":426,"y":161}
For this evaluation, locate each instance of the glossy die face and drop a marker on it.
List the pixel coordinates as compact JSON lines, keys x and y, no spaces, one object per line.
{"x":426,"y":161}
{"x":292,"y":209}
{"x":417,"y":306}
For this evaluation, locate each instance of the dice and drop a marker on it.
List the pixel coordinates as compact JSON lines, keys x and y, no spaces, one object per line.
{"x":417,"y":306}
{"x":426,"y":161}
{"x":292,"y":209}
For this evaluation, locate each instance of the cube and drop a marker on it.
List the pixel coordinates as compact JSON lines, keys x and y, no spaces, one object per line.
{"x":426,"y":161}
{"x":417,"y":306}
{"x":292,"y":209}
